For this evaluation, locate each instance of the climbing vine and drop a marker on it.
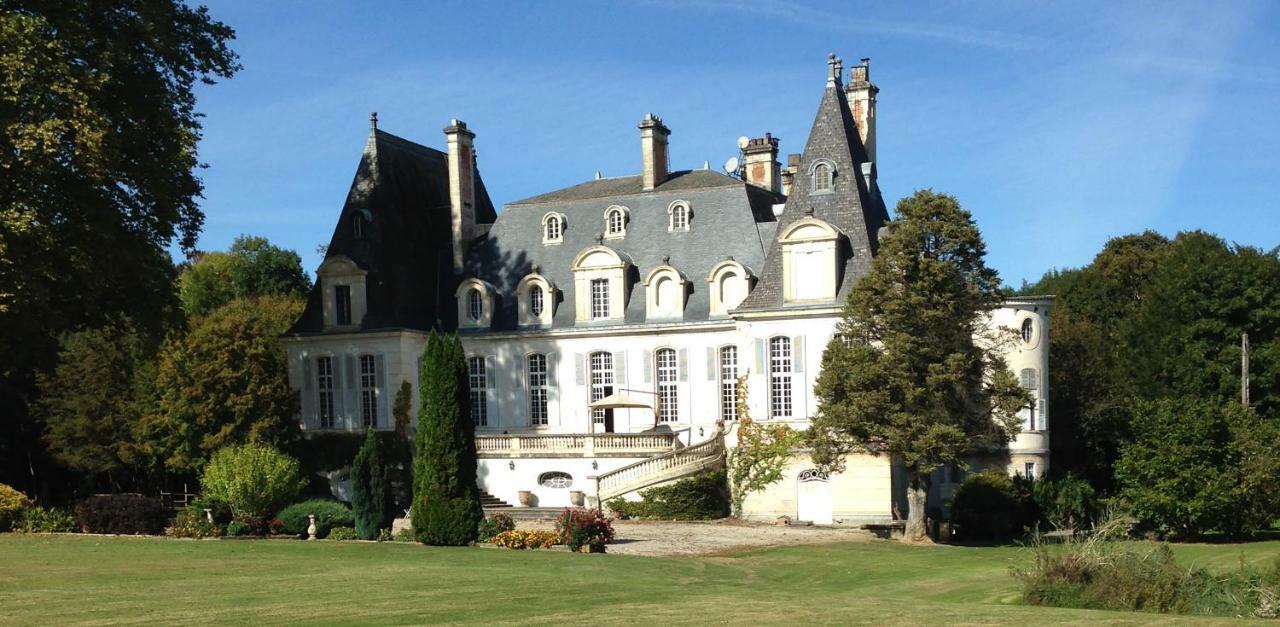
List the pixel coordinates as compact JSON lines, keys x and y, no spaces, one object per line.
{"x":761,"y":455}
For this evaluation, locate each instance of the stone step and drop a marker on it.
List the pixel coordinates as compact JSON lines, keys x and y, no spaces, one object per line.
{"x":488,"y":501}
{"x":527,"y":513}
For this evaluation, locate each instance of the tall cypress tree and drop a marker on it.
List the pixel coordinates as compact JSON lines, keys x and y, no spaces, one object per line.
{"x":370,"y":488}
{"x":446,"y":504}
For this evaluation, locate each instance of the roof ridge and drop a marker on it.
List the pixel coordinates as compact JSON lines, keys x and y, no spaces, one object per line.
{"x":400,"y":142}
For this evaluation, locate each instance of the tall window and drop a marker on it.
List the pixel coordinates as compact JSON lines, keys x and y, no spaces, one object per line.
{"x":342,"y":304}
{"x":729,"y":382}
{"x":599,"y":299}
{"x":553,"y":231}
{"x":1030,"y":469}
{"x":475,"y":305}
{"x":780,"y":377}
{"x":601,"y":381}
{"x":668,"y":394}
{"x":537,"y":367}
{"x":1028,"y":330}
{"x":324,"y":387}
{"x":479,"y":381}
{"x":679,"y":217}
{"x":1030,"y":382}
{"x":535,"y":301}
{"x":368,"y":391}
{"x":614,"y":223}
{"x":822,"y":177}
{"x":357,"y":225}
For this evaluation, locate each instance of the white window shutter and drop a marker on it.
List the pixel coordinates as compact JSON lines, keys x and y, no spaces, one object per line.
{"x":648,"y":366}
{"x":620,"y":368}
{"x":491,"y":395}
{"x":579,"y":369}
{"x":308,"y":377}
{"x":684,"y":364}
{"x":761,"y":356}
{"x":797,"y":354}
{"x":711,"y":363}
{"x":384,"y":395}
{"x":353,"y":390}
{"x":308,"y":393}
{"x":339,"y":389}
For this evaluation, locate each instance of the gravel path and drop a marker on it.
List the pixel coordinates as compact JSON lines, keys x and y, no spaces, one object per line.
{"x":671,"y":538}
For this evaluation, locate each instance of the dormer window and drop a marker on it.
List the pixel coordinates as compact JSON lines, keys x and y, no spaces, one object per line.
{"x":678,"y":216}
{"x":809,"y":261}
{"x":342,"y":304}
{"x":475,"y":300}
{"x":342,"y":284}
{"x":536,"y":300}
{"x":664,"y":294}
{"x":357,"y":226}
{"x":823,"y":175}
{"x":615,"y":222}
{"x":553,"y":225}
{"x":600,"y":285}
{"x":729,"y":283}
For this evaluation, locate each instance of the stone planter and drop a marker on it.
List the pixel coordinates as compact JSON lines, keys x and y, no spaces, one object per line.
{"x":526,"y":498}
{"x":578,"y":498}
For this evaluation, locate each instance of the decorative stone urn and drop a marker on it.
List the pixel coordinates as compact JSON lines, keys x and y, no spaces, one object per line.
{"x":526,"y":498}
{"x":578,"y":498}
{"x":311,"y":528}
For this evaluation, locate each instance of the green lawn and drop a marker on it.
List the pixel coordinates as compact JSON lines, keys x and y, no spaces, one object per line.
{"x":61,"y":579}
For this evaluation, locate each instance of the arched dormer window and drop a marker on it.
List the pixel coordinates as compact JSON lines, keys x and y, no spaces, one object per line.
{"x":822,"y":174}
{"x":615,"y":222}
{"x":678,"y":215}
{"x":809,"y":261}
{"x":600,"y":287}
{"x":475,"y":304}
{"x":553,"y":225}
{"x":729,"y":283}
{"x":536,"y":300}
{"x":665,"y":291}
{"x":342,"y":284}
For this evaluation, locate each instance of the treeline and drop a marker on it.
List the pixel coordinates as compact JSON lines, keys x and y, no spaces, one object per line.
{"x":1145,"y":373}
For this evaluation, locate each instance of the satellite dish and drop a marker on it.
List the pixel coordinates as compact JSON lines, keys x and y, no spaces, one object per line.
{"x":731,"y":165}
{"x":743,"y":142}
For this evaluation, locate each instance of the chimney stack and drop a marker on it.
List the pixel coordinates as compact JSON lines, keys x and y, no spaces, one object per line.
{"x":789,"y":173}
{"x":462,"y":187}
{"x":760,"y":161}
{"x":861,"y":95}
{"x":653,"y":150}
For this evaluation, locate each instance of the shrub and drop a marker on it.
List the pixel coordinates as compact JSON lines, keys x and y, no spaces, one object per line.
{"x":992,"y":506}
{"x":342,"y":533}
{"x":255,"y":480}
{"x":52,"y":520}
{"x":704,"y":496}
{"x":329,"y":514}
{"x":526,"y":539}
{"x":191,"y":522}
{"x":220,"y":511}
{"x":240,"y":528}
{"x":584,"y":527}
{"x":494,"y":525}
{"x":404,"y":535}
{"x":1066,"y":503}
{"x":13,"y":504}
{"x":127,"y":514}
{"x":370,"y":488}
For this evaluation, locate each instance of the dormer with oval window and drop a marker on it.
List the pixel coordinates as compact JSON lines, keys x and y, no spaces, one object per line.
{"x":665,"y":293}
{"x":728,"y":283}
{"x":615,"y":222}
{"x":809,"y":260}
{"x":536,"y":300}
{"x":600,"y":289}
{"x":553,"y":227}
{"x":342,"y":285}
{"x":476,"y":302}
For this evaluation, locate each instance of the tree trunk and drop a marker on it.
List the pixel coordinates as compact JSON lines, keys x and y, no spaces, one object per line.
{"x":917,"y":495}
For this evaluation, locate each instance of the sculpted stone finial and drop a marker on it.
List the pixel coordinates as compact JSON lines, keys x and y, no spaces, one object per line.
{"x":373,"y":120}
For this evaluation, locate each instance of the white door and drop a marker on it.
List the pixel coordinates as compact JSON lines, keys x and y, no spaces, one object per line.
{"x":813,"y":498}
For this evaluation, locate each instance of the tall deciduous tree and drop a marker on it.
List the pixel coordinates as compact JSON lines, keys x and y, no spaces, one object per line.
{"x":98,"y":136}
{"x":251,"y":267}
{"x":917,"y":377}
{"x":225,"y":382}
{"x":370,"y":488}
{"x":446,"y":504}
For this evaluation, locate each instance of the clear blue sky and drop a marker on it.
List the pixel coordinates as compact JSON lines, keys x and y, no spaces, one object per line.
{"x":1058,"y":125}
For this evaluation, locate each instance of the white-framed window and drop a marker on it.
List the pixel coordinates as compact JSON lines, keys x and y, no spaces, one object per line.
{"x":555,"y":480}
{"x":615,"y":222}
{"x":678,"y":216}
{"x":809,"y":260}
{"x":668,"y":376}
{"x":599,"y":299}
{"x":479,"y":380}
{"x":729,"y":382}
{"x":823,"y":174}
{"x":535,"y":298}
{"x":324,"y":391}
{"x":342,"y":304}
{"x":553,"y":229}
{"x":536,"y":367}
{"x":368,"y":391}
{"x":780,"y":368}
{"x":601,"y":381}
{"x":535,"y":301}
{"x":1028,"y":330}
{"x":1029,"y":470}
{"x":475,"y":305}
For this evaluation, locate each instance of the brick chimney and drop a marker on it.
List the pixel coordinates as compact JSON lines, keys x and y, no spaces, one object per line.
{"x":789,"y":173}
{"x":462,"y":187}
{"x":653,"y":150}
{"x":760,"y":161}
{"x":861,"y":95}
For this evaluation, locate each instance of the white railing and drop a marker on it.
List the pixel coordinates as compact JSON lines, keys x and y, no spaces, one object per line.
{"x":586,"y":445}
{"x":690,"y":458}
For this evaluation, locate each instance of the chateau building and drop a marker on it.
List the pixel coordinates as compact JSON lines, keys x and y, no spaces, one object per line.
{"x":606,"y":324}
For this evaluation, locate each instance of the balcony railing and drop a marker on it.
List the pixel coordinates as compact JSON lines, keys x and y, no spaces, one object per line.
{"x":575,"y":445}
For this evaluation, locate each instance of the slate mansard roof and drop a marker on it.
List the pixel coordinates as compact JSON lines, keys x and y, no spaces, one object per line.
{"x":723,"y":224}
{"x":406,"y":247}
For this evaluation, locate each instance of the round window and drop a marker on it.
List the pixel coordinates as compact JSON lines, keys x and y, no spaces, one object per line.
{"x":557,"y":480}
{"x":1028,"y":330}
{"x":813,"y":474}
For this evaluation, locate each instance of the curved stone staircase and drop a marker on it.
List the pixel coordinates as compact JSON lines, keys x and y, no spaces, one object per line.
{"x":661,"y":468}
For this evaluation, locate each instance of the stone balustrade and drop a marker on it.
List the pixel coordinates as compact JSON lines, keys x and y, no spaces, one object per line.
{"x":575,"y":445}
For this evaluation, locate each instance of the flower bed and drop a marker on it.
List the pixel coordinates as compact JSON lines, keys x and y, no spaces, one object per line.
{"x":526,"y":539}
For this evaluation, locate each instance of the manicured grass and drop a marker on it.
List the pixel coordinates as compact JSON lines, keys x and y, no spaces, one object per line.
{"x":81,"y":579}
